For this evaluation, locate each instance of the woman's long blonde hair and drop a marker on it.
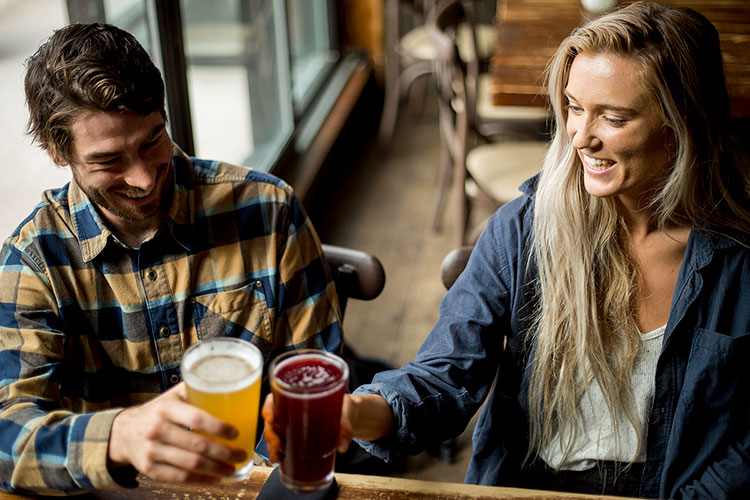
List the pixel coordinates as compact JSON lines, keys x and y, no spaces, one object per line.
{"x":585,"y":327}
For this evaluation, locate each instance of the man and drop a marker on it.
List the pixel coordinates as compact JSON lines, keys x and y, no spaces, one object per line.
{"x":113,"y":276}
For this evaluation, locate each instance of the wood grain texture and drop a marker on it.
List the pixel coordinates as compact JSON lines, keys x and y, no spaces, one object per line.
{"x":529,"y":32}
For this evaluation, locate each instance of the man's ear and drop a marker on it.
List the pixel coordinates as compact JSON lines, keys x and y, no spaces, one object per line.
{"x":56,"y":158}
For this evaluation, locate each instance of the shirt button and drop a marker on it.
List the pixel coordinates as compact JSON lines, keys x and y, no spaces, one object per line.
{"x":151,"y":274}
{"x":258,"y":284}
{"x":164,"y":332}
{"x":174,"y":378}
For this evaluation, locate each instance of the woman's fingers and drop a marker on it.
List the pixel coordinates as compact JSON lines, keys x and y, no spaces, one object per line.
{"x":273,"y":441}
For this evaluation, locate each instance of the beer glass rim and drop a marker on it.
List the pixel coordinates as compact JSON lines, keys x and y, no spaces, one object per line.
{"x":279,"y":361}
{"x":193,"y":380}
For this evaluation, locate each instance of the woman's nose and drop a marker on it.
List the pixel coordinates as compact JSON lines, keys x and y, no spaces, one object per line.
{"x":583,"y":133}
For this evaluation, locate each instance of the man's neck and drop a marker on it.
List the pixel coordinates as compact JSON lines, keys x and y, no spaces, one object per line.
{"x":133,"y":233}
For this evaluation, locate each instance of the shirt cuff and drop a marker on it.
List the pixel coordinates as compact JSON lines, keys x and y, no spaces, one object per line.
{"x":400,"y":440}
{"x":95,"y":452}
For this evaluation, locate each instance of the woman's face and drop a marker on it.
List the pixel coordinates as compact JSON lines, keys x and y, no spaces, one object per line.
{"x":615,"y":128}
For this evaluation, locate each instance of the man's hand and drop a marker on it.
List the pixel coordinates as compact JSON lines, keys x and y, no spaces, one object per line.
{"x":153,"y":438}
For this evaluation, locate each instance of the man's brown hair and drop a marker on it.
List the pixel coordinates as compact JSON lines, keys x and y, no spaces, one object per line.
{"x":84,"y":68}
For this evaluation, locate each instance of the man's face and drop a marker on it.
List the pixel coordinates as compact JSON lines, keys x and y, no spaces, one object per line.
{"x":121,"y":160}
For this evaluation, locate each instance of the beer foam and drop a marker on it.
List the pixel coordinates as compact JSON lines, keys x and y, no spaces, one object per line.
{"x":305,"y":376}
{"x":222,"y":366}
{"x":309,"y":375}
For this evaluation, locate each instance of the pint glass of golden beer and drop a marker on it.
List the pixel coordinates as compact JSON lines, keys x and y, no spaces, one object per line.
{"x":223,"y":377}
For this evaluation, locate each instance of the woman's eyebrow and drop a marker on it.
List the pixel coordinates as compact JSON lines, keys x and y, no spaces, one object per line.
{"x":610,"y":107}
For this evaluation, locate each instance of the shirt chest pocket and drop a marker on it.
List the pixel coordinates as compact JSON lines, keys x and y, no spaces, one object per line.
{"x":232,"y":313}
{"x":715,"y":369}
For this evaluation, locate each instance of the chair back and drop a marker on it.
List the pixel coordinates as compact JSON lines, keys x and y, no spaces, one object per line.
{"x":453,"y":265}
{"x":457,"y":77}
{"x":356,"y":274}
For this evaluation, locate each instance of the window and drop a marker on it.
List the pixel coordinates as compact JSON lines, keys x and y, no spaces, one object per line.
{"x":252,"y":68}
{"x":311,"y":48}
{"x":238,"y":79}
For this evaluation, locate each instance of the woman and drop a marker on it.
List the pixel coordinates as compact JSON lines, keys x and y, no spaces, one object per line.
{"x":610,"y":303}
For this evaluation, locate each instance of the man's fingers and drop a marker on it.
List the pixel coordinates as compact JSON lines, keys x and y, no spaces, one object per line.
{"x":195,"y":442}
{"x":192,"y":462}
{"x":197,"y":419}
{"x":172,"y":474}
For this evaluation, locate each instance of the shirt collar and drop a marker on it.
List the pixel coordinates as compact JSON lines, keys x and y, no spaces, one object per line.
{"x":93,"y":233}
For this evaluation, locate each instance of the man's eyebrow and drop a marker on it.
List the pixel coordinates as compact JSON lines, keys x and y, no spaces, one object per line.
{"x":100,"y":155}
{"x":610,"y":107}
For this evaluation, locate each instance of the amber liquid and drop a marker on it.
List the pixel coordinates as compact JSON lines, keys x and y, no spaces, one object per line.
{"x":237,"y":407}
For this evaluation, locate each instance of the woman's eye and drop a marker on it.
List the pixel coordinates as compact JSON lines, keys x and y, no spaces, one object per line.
{"x":617,"y":122}
{"x":574,"y":108}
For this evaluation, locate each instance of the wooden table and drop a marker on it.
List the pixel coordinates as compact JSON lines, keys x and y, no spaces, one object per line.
{"x":529,"y":32}
{"x":351,"y":487}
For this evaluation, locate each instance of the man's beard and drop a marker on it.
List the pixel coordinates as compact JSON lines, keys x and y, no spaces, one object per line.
{"x":111,"y":199}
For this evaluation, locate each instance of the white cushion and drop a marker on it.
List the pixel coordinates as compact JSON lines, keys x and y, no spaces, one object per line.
{"x":417,"y":43}
{"x":499,"y":168}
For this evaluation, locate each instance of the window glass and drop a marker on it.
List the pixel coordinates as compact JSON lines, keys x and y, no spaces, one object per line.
{"x":131,"y":16}
{"x":312,"y":49}
{"x":252,"y":67}
{"x":238,"y":79}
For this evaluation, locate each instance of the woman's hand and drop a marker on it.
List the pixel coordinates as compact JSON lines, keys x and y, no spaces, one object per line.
{"x":363,"y":416}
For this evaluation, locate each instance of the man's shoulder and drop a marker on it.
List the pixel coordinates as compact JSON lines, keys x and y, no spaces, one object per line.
{"x":219,"y":172}
{"x":49,"y":221}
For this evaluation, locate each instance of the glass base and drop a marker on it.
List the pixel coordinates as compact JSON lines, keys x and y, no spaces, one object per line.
{"x":240,"y":474}
{"x":306,"y":487}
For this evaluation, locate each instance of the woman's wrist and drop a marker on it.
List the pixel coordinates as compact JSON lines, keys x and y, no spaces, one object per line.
{"x":370,"y":415}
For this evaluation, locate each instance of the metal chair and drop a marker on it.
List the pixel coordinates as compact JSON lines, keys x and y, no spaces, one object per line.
{"x":410,"y":54}
{"x":481,"y":172}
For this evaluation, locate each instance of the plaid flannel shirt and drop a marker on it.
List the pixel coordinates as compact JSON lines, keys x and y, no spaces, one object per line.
{"x":89,"y":325}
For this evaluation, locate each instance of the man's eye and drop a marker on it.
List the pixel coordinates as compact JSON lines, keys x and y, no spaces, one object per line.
{"x":107,"y":163}
{"x":153,"y":142}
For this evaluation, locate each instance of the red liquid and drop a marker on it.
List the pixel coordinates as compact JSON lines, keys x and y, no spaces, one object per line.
{"x":309,"y":422}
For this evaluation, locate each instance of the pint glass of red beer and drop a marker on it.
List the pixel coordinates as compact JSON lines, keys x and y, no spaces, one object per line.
{"x":308,"y":389}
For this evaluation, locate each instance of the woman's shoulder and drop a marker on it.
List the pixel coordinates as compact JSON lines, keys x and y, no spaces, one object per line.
{"x":722,"y":237}
{"x":516,"y":216}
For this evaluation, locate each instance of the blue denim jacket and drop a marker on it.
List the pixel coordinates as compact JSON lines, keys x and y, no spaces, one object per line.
{"x":699,"y":429}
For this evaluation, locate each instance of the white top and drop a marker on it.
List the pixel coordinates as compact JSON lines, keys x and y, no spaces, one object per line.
{"x":597,"y":439}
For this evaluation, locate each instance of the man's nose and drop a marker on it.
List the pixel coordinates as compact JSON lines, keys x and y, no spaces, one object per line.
{"x":141,"y":175}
